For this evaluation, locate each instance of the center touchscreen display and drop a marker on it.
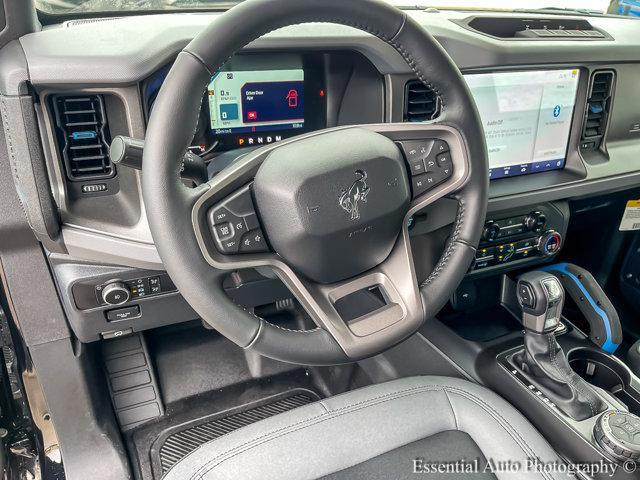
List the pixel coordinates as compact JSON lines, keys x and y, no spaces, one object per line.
{"x":256,"y":101}
{"x":526,"y":118}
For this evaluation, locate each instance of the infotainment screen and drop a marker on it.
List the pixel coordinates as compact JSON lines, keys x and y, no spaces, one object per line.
{"x":256,"y":101}
{"x":526,"y":117}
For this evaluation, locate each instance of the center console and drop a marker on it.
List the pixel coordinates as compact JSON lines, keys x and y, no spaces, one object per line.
{"x":583,"y":399}
{"x":521,"y":237}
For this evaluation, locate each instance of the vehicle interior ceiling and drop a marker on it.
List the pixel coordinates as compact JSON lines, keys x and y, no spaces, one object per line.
{"x":115,"y":368}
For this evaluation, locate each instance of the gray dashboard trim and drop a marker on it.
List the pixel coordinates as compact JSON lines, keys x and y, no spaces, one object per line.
{"x":129,"y":49}
{"x":107,"y":249}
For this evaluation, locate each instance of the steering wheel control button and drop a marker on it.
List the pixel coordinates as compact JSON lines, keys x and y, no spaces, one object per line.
{"x":253,"y":242}
{"x":444,"y":160}
{"x":224,"y":231}
{"x":235,"y":225}
{"x":429,"y":163}
{"x":618,"y":434}
{"x":116,"y":293}
{"x":416,"y":166}
{"x":416,"y":149}
{"x":220,"y":215}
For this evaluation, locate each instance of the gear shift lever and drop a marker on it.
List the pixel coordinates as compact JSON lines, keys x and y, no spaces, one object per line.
{"x":541,"y":298}
{"x":543,"y":362}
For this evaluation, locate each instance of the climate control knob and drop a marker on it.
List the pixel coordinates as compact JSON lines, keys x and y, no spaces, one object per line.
{"x":550,"y":243}
{"x":535,"y":222}
{"x":490,"y":231}
{"x":116,"y":293}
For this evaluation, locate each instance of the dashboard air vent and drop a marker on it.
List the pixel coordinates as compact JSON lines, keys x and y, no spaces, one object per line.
{"x":597,"y":111}
{"x":420,"y":102}
{"x":83,"y":136}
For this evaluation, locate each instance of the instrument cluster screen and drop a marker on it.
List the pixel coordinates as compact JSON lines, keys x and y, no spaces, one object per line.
{"x":256,"y":101}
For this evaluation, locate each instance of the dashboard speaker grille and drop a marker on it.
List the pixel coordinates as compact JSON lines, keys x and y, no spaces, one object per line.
{"x":83,"y":136}
{"x":597,"y":111}
{"x":420,"y":102}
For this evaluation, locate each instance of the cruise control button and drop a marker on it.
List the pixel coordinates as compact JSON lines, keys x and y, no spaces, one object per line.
{"x":220,"y":215}
{"x":229,"y":246}
{"x":232,"y":219}
{"x":224,"y":231}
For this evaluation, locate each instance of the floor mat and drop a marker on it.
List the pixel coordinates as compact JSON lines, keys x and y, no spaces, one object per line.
{"x":175,"y":444}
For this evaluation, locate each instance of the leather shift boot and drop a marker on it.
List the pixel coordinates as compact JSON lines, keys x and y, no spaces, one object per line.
{"x":545,"y":365}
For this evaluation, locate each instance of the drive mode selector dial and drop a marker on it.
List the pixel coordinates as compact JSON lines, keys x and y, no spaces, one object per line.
{"x":116,"y":293}
{"x":618,"y":433}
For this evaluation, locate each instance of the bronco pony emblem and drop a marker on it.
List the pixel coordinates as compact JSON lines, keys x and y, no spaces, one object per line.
{"x":350,"y":199}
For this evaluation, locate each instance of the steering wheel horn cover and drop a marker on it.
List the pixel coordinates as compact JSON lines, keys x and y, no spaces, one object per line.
{"x":178,"y":215}
{"x":333,"y":204}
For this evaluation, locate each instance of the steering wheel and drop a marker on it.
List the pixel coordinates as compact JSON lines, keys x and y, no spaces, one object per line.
{"x":328,"y":210}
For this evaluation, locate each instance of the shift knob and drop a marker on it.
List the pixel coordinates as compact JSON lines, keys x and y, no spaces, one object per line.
{"x":541,"y":298}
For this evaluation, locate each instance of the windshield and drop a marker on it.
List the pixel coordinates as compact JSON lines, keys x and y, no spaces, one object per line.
{"x":615,"y":7}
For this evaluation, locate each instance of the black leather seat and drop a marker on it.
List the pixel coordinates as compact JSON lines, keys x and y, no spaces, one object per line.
{"x":384,"y":431}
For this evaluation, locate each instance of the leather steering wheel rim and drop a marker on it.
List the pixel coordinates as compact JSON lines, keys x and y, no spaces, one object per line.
{"x":169,"y":203}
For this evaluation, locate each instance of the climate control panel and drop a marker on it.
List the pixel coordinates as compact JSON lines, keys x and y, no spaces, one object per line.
{"x":524,"y":236}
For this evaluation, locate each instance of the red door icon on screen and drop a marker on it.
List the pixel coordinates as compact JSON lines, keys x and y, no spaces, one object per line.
{"x":292,"y":98}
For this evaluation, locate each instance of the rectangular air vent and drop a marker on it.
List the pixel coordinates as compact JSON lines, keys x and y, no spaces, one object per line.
{"x":420,"y":102}
{"x":83,"y":136}
{"x":597,"y":110}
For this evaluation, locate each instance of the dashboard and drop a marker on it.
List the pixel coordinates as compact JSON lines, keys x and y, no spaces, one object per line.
{"x":560,"y":114}
{"x":257,"y":100}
